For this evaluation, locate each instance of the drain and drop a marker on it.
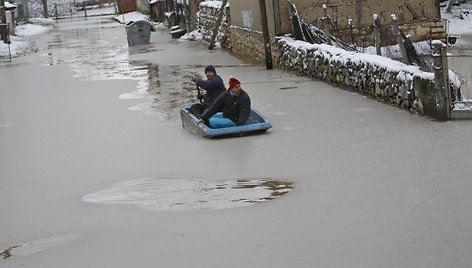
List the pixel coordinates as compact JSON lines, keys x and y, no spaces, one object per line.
{"x":175,"y":194}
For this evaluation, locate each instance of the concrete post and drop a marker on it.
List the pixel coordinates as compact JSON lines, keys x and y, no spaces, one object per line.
{"x":399,"y":38}
{"x":441,"y":82}
{"x":327,"y":24}
{"x":351,"y":31}
{"x":377,"y":37}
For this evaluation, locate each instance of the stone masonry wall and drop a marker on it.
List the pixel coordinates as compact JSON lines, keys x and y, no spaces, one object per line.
{"x":206,"y":20}
{"x":248,"y":44}
{"x":404,"y":86}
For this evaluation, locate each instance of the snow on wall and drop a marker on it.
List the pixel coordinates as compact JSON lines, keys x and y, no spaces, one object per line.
{"x":384,"y":79}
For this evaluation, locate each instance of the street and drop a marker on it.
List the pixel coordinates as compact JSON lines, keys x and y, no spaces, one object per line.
{"x":90,"y":136}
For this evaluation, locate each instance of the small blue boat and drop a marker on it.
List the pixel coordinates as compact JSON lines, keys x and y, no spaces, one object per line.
{"x":256,"y":123}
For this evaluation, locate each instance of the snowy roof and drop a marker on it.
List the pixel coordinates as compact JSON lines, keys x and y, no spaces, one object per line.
{"x":212,"y":4}
{"x":178,"y":1}
{"x":9,"y":5}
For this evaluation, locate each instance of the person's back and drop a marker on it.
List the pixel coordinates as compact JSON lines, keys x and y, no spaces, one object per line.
{"x":213,"y":87}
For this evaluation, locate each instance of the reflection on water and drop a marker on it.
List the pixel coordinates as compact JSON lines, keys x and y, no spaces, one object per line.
{"x":166,"y":89}
{"x":174,"y":194}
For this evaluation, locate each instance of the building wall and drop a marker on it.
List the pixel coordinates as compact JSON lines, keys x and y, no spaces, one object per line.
{"x":143,"y":6}
{"x":246,"y":14}
{"x":125,"y":6}
{"x":361,"y":11}
{"x":425,"y":25}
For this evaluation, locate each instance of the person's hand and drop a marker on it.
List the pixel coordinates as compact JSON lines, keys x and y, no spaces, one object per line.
{"x":199,"y":121}
{"x":200,"y":96}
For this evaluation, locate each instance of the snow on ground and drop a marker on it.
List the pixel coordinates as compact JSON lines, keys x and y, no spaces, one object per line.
{"x":131,"y":16}
{"x":460,"y":18}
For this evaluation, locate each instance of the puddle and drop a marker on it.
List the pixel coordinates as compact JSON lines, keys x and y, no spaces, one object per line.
{"x":37,"y":246}
{"x":176,"y":194}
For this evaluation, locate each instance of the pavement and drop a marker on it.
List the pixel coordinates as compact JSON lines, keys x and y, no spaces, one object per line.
{"x":373,"y":185}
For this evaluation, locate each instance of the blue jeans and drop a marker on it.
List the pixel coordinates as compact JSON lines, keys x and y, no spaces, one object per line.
{"x":218,"y":121}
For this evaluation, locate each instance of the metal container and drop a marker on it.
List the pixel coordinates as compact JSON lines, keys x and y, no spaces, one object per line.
{"x":139,"y":32}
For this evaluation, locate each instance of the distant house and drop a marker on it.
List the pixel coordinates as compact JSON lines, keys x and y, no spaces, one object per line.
{"x":125,"y":6}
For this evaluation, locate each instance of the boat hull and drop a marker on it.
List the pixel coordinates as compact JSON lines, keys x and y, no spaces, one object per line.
{"x":256,"y":123}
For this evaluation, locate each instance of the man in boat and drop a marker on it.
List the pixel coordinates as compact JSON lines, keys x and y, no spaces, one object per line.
{"x":213,"y":87}
{"x":235,"y":105}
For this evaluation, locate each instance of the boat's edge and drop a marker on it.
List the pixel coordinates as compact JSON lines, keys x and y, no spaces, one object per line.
{"x":189,"y":122}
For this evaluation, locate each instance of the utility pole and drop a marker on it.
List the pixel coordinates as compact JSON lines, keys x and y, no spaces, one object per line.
{"x":265,"y":34}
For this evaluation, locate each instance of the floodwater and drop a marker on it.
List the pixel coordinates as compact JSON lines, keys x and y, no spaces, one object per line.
{"x":96,"y":170}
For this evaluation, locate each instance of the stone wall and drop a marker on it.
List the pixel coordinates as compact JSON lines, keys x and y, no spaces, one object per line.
{"x":248,"y":45}
{"x":206,"y":20}
{"x":380,"y":78}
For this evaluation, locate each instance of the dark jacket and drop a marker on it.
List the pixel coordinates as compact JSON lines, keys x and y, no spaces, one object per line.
{"x":236,"y":108}
{"x":213,"y":87}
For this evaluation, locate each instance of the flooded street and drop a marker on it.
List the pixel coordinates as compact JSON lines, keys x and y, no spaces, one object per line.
{"x":96,"y":170}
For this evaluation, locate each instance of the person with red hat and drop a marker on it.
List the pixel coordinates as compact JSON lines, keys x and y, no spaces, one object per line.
{"x":213,"y":87}
{"x":232,"y":108}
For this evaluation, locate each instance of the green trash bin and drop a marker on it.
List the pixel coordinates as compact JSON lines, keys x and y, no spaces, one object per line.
{"x":139,"y":32}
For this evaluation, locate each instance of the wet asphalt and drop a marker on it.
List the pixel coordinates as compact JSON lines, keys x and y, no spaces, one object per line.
{"x":93,"y":159}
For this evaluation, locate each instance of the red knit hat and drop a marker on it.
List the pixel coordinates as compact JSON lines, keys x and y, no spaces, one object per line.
{"x":233,"y":82}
